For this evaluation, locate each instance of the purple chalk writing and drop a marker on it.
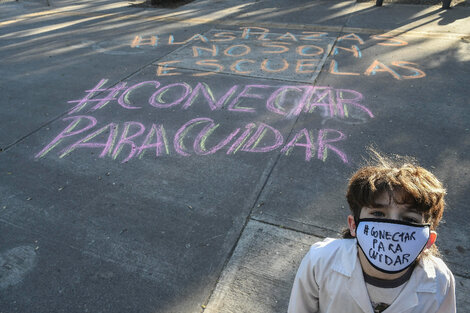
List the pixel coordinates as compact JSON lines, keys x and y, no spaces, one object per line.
{"x":130,"y":140}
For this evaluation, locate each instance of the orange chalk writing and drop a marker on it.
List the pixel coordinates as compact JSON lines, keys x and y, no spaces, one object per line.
{"x":164,"y":70}
{"x":138,"y":41}
{"x":231,"y":51}
{"x":210,"y":63}
{"x":354,"y":50}
{"x":417,"y":73}
{"x":351,"y":36}
{"x":280,"y":47}
{"x":171,"y":41}
{"x":378,"y":66}
{"x":287,"y":36}
{"x":197,"y":49}
{"x":262,"y":32}
{"x":224,"y":36}
{"x":266,"y":68}
{"x":236,"y":66}
{"x":334,"y":69}
{"x":305,"y":63}
{"x":309,"y":50}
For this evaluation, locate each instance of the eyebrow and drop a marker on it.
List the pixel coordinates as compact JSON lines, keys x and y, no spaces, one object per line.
{"x":413,"y":210}
{"x":408,"y":207}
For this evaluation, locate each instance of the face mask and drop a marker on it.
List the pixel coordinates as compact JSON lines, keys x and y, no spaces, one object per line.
{"x":389,"y":245}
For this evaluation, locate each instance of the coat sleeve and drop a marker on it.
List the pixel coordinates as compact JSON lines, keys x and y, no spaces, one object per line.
{"x":304,"y":294}
{"x":448,"y":305}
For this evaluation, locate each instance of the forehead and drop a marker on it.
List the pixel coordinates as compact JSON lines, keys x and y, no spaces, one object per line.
{"x":386,"y":198}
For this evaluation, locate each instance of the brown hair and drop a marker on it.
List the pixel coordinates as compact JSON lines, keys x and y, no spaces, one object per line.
{"x":399,"y":177}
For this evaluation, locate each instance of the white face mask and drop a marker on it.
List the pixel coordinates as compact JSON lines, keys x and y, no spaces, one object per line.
{"x":390,"y":245}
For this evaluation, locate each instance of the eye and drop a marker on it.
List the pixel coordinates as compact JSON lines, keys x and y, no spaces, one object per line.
{"x":378,"y":213}
{"x":411,"y":219}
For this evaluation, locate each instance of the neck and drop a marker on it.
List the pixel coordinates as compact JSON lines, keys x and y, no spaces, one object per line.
{"x":372,"y":271}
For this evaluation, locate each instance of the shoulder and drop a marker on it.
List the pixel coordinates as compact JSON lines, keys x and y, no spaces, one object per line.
{"x":441,"y":271}
{"x":436,"y":284}
{"x":331,"y":256}
{"x":333,"y":244}
{"x":330,"y":248}
{"x":437,"y":271}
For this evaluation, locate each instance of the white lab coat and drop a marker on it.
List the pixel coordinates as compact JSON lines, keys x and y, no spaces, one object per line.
{"x":330,"y":280}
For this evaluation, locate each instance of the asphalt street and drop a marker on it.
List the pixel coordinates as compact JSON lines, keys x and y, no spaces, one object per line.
{"x":183,"y":160}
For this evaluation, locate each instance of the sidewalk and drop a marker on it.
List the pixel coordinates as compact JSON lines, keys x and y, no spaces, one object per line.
{"x":167,"y":160}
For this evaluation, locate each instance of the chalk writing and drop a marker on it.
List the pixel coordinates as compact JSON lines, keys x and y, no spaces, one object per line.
{"x":251,"y":51}
{"x":201,"y":136}
{"x":284,"y":100}
{"x":257,"y":51}
{"x":138,"y":138}
{"x":259,"y":34}
{"x":248,"y":52}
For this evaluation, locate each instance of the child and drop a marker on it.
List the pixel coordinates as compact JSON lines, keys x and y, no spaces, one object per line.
{"x":387,"y":261}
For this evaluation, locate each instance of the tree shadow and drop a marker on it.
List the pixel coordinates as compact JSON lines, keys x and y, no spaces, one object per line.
{"x":49,"y":58}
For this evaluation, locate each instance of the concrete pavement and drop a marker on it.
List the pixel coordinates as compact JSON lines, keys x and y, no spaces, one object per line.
{"x":158,"y":160}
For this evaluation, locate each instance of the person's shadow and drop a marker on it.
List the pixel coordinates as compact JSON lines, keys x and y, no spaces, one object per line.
{"x":448,"y":17}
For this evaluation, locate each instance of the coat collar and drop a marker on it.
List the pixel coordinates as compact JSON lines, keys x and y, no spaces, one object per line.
{"x":344,"y":263}
{"x":422,"y":280}
{"x":426,"y":273}
{"x":347,"y":263}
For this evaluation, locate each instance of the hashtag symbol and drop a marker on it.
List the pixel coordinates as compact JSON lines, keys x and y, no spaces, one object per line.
{"x":100,"y":102}
{"x":366,"y":229}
